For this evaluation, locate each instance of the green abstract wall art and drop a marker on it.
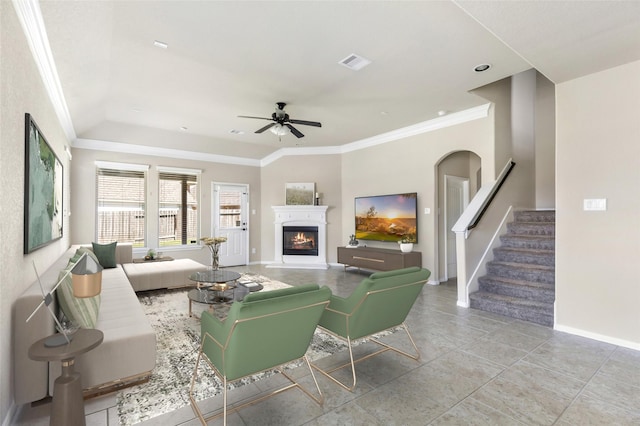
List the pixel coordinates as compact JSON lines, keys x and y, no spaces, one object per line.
{"x":43,"y":189}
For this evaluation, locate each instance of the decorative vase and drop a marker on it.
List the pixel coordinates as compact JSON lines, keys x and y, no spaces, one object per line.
{"x":406,"y":247}
{"x":215,"y":261}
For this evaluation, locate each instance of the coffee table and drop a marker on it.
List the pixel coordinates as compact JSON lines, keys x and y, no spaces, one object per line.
{"x":211,"y":286}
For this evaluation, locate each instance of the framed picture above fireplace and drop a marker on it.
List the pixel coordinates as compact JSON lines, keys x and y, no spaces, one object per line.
{"x":299,"y":194}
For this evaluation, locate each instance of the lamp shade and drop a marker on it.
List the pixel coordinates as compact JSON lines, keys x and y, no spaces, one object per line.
{"x":86,"y":277}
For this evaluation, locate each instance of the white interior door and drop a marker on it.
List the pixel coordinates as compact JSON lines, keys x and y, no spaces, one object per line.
{"x":457,"y":199}
{"x":230,"y":219}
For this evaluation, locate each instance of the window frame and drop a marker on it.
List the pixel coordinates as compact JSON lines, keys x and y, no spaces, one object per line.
{"x":124,"y":169}
{"x":175,"y":172}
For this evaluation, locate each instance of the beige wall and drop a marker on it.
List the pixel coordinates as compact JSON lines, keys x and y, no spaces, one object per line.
{"x":597,"y":253}
{"x":325,"y":172}
{"x":545,"y":140}
{"x":21,"y":91}
{"x":84,"y":195}
{"x":410,"y":165}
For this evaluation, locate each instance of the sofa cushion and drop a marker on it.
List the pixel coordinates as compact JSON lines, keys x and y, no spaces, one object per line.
{"x":81,"y":311}
{"x":106,"y":254}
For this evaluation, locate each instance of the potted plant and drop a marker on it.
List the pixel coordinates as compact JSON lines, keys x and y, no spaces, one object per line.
{"x":406,"y":243}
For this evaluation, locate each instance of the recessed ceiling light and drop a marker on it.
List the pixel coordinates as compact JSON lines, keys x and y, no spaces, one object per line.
{"x":137,"y":109}
{"x":236,"y":132}
{"x":442,"y":112}
{"x":482,"y":67}
{"x":384,"y":113}
{"x":160,"y":44}
{"x":354,"y":62}
{"x":184,"y":129}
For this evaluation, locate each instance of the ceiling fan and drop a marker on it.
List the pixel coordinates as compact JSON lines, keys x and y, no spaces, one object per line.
{"x":282,"y":123}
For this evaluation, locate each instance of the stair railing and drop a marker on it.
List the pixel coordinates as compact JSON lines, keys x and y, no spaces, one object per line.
{"x":481,"y":202}
{"x":472,"y":255}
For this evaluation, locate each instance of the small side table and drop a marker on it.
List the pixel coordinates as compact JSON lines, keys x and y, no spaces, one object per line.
{"x":68,"y":404}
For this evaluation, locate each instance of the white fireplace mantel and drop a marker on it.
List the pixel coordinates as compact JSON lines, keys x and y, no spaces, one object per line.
{"x":300,"y":216}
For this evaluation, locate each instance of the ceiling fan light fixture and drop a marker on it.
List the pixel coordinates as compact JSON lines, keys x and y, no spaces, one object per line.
{"x":279,"y":130}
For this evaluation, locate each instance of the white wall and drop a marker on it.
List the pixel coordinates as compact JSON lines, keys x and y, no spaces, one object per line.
{"x":21,"y":91}
{"x":597,"y":253}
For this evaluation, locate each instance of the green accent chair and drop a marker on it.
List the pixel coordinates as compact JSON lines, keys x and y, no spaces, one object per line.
{"x":380,"y":302}
{"x":264,"y":331}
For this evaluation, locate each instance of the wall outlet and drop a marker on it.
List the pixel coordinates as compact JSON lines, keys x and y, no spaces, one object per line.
{"x":427,"y":210}
{"x":253,"y":250}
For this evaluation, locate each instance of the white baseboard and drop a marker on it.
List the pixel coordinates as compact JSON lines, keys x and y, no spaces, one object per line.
{"x":598,"y":337}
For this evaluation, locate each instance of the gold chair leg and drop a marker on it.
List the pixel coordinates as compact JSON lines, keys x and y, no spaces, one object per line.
{"x":352,"y":363}
{"x":319,"y":399}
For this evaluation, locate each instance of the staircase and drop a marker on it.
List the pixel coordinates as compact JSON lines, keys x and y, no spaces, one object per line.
{"x":520,"y":281}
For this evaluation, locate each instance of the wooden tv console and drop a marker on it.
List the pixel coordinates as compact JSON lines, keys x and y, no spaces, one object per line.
{"x":378,"y":259}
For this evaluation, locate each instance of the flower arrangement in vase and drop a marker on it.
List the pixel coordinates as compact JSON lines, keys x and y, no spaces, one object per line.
{"x":406,"y":243}
{"x":214,"y":246}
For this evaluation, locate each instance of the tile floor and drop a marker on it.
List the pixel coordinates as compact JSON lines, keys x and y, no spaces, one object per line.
{"x":476,"y":368}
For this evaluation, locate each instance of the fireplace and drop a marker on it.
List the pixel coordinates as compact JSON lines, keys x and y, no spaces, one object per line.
{"x":300,"y":237}
{"x":300,"y":240}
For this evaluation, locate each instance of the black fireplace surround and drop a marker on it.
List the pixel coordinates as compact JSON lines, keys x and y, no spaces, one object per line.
{"x":300,"y":240}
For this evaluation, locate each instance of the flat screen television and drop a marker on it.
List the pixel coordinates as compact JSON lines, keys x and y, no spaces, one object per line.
{"x":387,"y":217}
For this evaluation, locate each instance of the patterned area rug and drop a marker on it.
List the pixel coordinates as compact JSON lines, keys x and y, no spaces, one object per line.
{"x":178,"y":339}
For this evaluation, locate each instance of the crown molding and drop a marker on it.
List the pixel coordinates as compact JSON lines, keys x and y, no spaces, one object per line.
{"x":127,"y":148}
{"x":30,"y":18}
{"x":449,"y":120}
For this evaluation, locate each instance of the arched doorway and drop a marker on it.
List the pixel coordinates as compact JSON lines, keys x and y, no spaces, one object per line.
{"x":459,"y":178}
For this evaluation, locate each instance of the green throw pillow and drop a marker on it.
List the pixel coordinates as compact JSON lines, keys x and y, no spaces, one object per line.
{"x":106,"y":254}
{"x":81,"y":311}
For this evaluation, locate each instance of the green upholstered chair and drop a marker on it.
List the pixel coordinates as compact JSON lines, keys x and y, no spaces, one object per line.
{"x":264,"y":331}
{"x":380,"y":302}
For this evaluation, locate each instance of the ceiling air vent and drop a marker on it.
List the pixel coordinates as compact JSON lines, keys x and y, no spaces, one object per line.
{"x":355,"y":62}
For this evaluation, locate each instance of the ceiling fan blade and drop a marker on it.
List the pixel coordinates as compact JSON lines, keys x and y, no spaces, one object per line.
{"x":306,"y":123}
{"x":259,"y":118}
{"x":268,"y":126}
{"x":295,"y":131}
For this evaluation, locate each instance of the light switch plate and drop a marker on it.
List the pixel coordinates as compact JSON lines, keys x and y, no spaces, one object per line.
{"x":595,"y":204}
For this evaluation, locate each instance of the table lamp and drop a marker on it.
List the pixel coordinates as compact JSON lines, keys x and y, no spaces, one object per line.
{"x":86,"y":280}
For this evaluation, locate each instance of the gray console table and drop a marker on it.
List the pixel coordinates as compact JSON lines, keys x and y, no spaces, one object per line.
{"x":378,"y":259}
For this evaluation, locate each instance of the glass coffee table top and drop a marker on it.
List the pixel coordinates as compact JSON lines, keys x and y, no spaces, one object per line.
{"x":213,"y":286}
{"x":214,"y":276}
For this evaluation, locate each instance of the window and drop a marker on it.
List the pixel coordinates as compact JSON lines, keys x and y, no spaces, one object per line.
{"x":120,"y":190}
{"x":178,"y":207}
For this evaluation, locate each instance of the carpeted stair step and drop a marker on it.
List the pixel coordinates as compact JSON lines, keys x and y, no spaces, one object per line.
{"x":531,"y":228}
{"x":528,"y":256}
{"x":541,"y":292}
{"x":522,"y":271}
{"x":527,"y":310}
{"x":535,"y":216}
{"x":539,"y":242}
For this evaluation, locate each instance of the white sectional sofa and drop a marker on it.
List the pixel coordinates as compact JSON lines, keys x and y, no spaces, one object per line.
{"x":128,"y":353}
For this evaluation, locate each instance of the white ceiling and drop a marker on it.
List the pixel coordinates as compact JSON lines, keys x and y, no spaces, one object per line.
{"x":230,"y":58}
